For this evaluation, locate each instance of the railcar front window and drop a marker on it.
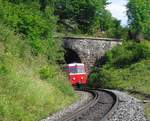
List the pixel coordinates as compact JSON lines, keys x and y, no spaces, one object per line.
{"x":80,"y":70}
{"x":77,"y":69}
{"x":72,"y":70}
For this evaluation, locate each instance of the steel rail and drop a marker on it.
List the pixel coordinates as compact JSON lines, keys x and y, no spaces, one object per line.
{"x":113,"y":108}
{"x":96,"y":97}
{"x":83,"y":108}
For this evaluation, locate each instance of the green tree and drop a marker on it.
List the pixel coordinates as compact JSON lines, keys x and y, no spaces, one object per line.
{"x":139,"y":18}
{"x":21,"y":1}
{"x":42,"y":3}
{"x":35,"y":26}
{"x":111,"y":26}
{"x":84,"y":14}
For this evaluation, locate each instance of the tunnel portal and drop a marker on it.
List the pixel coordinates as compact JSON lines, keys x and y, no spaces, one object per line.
{"x":71,"y":56}
{"x":86,"y":49}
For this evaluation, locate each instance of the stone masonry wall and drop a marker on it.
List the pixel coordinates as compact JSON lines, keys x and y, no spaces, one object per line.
{"x":90,"y":49}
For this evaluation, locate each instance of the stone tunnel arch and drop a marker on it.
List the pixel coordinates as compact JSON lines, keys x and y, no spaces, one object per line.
{"x":87,"y":50}
{"x":71,"y":56}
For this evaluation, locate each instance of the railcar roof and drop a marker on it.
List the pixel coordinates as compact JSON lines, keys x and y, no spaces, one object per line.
{"x":74,"y":64}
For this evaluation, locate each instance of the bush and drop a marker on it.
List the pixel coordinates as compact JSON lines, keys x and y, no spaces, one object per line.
{"x":49,"y":74}
{"x":3,"y":70}
{"x":127,"y":54}
{"x":126,"y":67}
{"x":33,"y":25}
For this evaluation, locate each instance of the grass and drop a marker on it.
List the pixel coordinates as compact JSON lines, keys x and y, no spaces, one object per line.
{"x":79,"y":35}
{"x":134,"y":78}
{"x":25,"y":97}
{"x":26,"y":93}
{"x":147,"y":110}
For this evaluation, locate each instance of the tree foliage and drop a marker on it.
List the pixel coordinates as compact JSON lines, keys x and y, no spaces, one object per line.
{"x":81,"y":16}
{"x":87,"y":17}
{"x":84,"y":13}
{"x":124,"y":67}
{"x":37,"y":27}
{"x":139,"y":18}
{"x":111,"y":26}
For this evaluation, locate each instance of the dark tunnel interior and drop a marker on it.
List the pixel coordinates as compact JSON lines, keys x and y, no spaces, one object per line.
{"x":71,"y":56}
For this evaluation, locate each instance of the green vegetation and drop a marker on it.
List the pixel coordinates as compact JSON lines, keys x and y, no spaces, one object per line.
{"x":81,"y":14}
{"x":147,"y":110}
{"x":139,"y":18}
{"x":35,"y":26}
{"x":87,"y":17}
{"x":29,"y":86}
{"x":30,"y":79}
{"x":126,"y":67}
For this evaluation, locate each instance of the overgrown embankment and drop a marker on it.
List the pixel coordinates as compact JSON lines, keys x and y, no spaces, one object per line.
{"x":126,"y":67}
{"x":31,"y":84}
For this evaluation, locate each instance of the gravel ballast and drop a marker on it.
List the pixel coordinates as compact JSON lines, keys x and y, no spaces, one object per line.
{"x":129,"y":108}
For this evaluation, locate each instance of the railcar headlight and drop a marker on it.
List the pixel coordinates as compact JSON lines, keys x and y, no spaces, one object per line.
{"x":81,"y":77}
{"x":74,"y":78}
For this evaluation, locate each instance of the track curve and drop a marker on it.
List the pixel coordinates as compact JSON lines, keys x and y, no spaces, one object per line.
{"x":99,"y":108}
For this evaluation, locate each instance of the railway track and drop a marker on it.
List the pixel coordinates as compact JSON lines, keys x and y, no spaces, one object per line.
{"x":99,"y":108}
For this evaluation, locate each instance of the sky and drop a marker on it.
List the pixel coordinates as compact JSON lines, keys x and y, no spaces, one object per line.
{"x":118,"y":10}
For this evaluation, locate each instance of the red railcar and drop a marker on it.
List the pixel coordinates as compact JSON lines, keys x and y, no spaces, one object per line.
{"x":76,"y":73}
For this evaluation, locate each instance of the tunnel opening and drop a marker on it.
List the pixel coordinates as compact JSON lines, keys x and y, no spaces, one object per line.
{"x":71,"y":56}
